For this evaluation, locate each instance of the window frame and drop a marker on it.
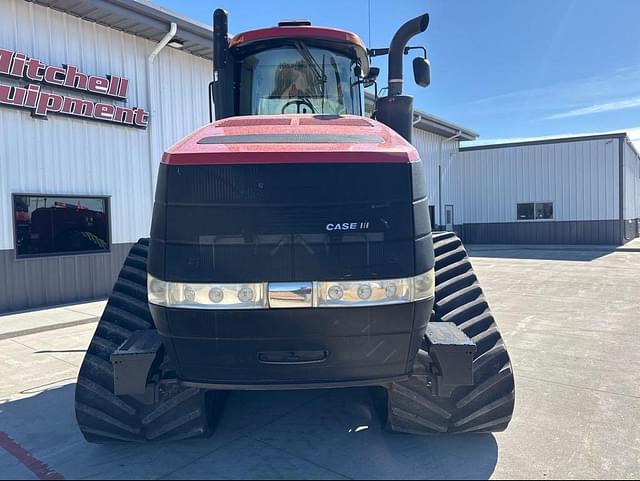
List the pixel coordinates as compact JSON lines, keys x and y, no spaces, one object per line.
{"x":107,"y":204}
{"x":535,"y":205}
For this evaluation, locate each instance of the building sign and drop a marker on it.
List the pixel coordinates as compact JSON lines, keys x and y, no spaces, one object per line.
{"x":18,"y":66}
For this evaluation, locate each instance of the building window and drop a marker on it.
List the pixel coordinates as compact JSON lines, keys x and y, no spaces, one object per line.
{"x":48,"y":225}
{"x":544,"y":210}
{"x":526,"y":211}
{"x":535,"y":211}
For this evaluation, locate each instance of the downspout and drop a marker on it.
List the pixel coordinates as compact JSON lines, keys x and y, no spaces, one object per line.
{"x":152,"y":157}
{"x":440,"y":144}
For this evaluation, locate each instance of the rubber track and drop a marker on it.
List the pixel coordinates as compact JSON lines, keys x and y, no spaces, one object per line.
{"x":488,"y":405}
{"x":102,"y":416}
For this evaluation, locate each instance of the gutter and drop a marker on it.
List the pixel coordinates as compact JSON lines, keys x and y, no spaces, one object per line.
{"x":152,"y":156}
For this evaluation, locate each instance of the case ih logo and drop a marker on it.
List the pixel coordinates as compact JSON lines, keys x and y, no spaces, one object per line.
{"x":18,"y":65}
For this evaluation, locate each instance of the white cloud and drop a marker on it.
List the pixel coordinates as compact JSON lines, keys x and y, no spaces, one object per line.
{"x":617,"y":90}
{"x":599,"y":108}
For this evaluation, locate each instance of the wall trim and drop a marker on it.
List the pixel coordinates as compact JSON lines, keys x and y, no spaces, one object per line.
{"x":594,"y":232}
{"x":621,"y":173}
{"x":40,"y":282}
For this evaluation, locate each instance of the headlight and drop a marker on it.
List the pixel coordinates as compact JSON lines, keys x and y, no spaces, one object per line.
{"x":374,"y":293}
{"x":207,"y":296}
{"x":362,"y":293}
{"x":325,"y":293}
{"x":424,"y":286}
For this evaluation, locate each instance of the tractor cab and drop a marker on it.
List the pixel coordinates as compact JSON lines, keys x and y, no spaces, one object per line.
{"x":294,"y":68}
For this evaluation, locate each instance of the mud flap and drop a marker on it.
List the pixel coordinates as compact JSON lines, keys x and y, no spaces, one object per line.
{"x":133,"y":361}
{"x":451,"y":354}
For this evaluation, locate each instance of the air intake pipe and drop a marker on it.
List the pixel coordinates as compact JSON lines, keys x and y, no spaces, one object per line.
{"x":223,"y":74}
{"x":396,"y":110}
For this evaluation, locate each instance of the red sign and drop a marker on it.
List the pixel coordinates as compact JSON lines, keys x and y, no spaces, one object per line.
{"x":19,"y":66}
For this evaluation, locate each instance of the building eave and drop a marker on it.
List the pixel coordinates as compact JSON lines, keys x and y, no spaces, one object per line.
{"x":547,"y":140}
{"x":141,"y":18}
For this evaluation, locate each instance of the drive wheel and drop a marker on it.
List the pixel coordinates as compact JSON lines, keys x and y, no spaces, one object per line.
{"x":488,"y":405}
{"x":180,"y":412}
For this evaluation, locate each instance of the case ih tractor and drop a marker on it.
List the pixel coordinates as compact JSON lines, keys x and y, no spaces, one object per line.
{"x":291,"y":248}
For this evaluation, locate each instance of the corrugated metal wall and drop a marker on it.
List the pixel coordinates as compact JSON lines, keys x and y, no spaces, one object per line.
{"x":580,"y":178}
{"x":64,"y":155}
{"x":71,"y":156}
{"x":631,"y":191}
{"x":631,"y":183}
{"x":437,"y":155}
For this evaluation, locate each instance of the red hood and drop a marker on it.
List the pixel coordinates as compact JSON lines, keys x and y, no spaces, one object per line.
{"x":292,"y":139}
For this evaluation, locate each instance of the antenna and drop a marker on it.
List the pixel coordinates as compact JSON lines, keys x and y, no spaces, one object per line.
{"x":369,"y":4}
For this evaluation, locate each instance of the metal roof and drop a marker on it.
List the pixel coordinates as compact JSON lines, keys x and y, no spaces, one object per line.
{"x":431,"y":123}
{"x":141,"y":18}
{"x":548,"y":140}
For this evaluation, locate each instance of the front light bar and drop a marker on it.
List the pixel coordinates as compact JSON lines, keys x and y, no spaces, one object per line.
{"x":266,"y":295}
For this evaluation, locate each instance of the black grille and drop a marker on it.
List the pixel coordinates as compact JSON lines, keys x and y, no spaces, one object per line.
{"x":243,"y":223}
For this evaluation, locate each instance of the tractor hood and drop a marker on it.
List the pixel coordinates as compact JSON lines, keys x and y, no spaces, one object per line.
{"x":292,"y":139}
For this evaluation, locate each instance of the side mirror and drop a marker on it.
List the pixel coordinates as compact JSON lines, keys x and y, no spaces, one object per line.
{"x":371,"y":77}
{"x":422,"y":71}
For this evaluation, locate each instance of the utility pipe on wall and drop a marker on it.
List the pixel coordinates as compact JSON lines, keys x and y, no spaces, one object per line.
{"x":152,"y":137}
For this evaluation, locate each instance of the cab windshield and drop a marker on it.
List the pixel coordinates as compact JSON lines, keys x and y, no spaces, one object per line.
{"x":299,"y":79}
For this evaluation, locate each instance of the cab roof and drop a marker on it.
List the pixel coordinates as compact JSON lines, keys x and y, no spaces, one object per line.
{"x":325,"y":35}
{"x":298,"y":31}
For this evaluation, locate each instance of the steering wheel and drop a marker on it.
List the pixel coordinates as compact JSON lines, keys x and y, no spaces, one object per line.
{"x":298,"y":102}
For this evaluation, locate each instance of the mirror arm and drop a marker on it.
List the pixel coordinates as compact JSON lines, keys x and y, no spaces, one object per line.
{"x":420,"y":47}
{"x":377,"y":52}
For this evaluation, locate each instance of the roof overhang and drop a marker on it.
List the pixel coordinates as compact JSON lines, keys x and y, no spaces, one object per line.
{"x":141,"y":18}
{"x":547,"y":140}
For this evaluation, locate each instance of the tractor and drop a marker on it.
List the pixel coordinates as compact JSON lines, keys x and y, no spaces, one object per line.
{"x":291,"y":248}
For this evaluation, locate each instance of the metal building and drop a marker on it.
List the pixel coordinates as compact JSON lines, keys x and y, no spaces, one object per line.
{"x":81,"y":140}
{"x":102,"y":171}
{"x":579,"y":190}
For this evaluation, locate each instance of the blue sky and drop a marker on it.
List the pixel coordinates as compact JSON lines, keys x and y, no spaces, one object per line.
{"x":504,"y":68}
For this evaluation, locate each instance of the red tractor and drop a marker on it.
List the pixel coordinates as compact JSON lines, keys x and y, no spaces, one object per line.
{"x":291,"y":248}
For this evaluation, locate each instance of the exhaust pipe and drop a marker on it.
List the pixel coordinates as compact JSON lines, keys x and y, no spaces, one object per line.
{"x":396,"y":50}
{"x":396,"y":110}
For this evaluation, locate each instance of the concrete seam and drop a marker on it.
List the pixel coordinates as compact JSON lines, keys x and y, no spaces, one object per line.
{"x":582,"y":388}
{"x":297,"y":456}
{"x":55,"y":327}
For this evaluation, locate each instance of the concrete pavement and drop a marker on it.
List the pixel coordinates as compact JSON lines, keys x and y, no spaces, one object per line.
{"x":571,"y":320}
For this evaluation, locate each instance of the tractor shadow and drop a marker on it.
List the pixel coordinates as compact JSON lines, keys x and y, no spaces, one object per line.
{"x":276,"y":435}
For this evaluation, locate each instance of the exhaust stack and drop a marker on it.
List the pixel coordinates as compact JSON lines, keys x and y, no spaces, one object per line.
{"x":396,"y":51}
{"x":396,"y":110}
